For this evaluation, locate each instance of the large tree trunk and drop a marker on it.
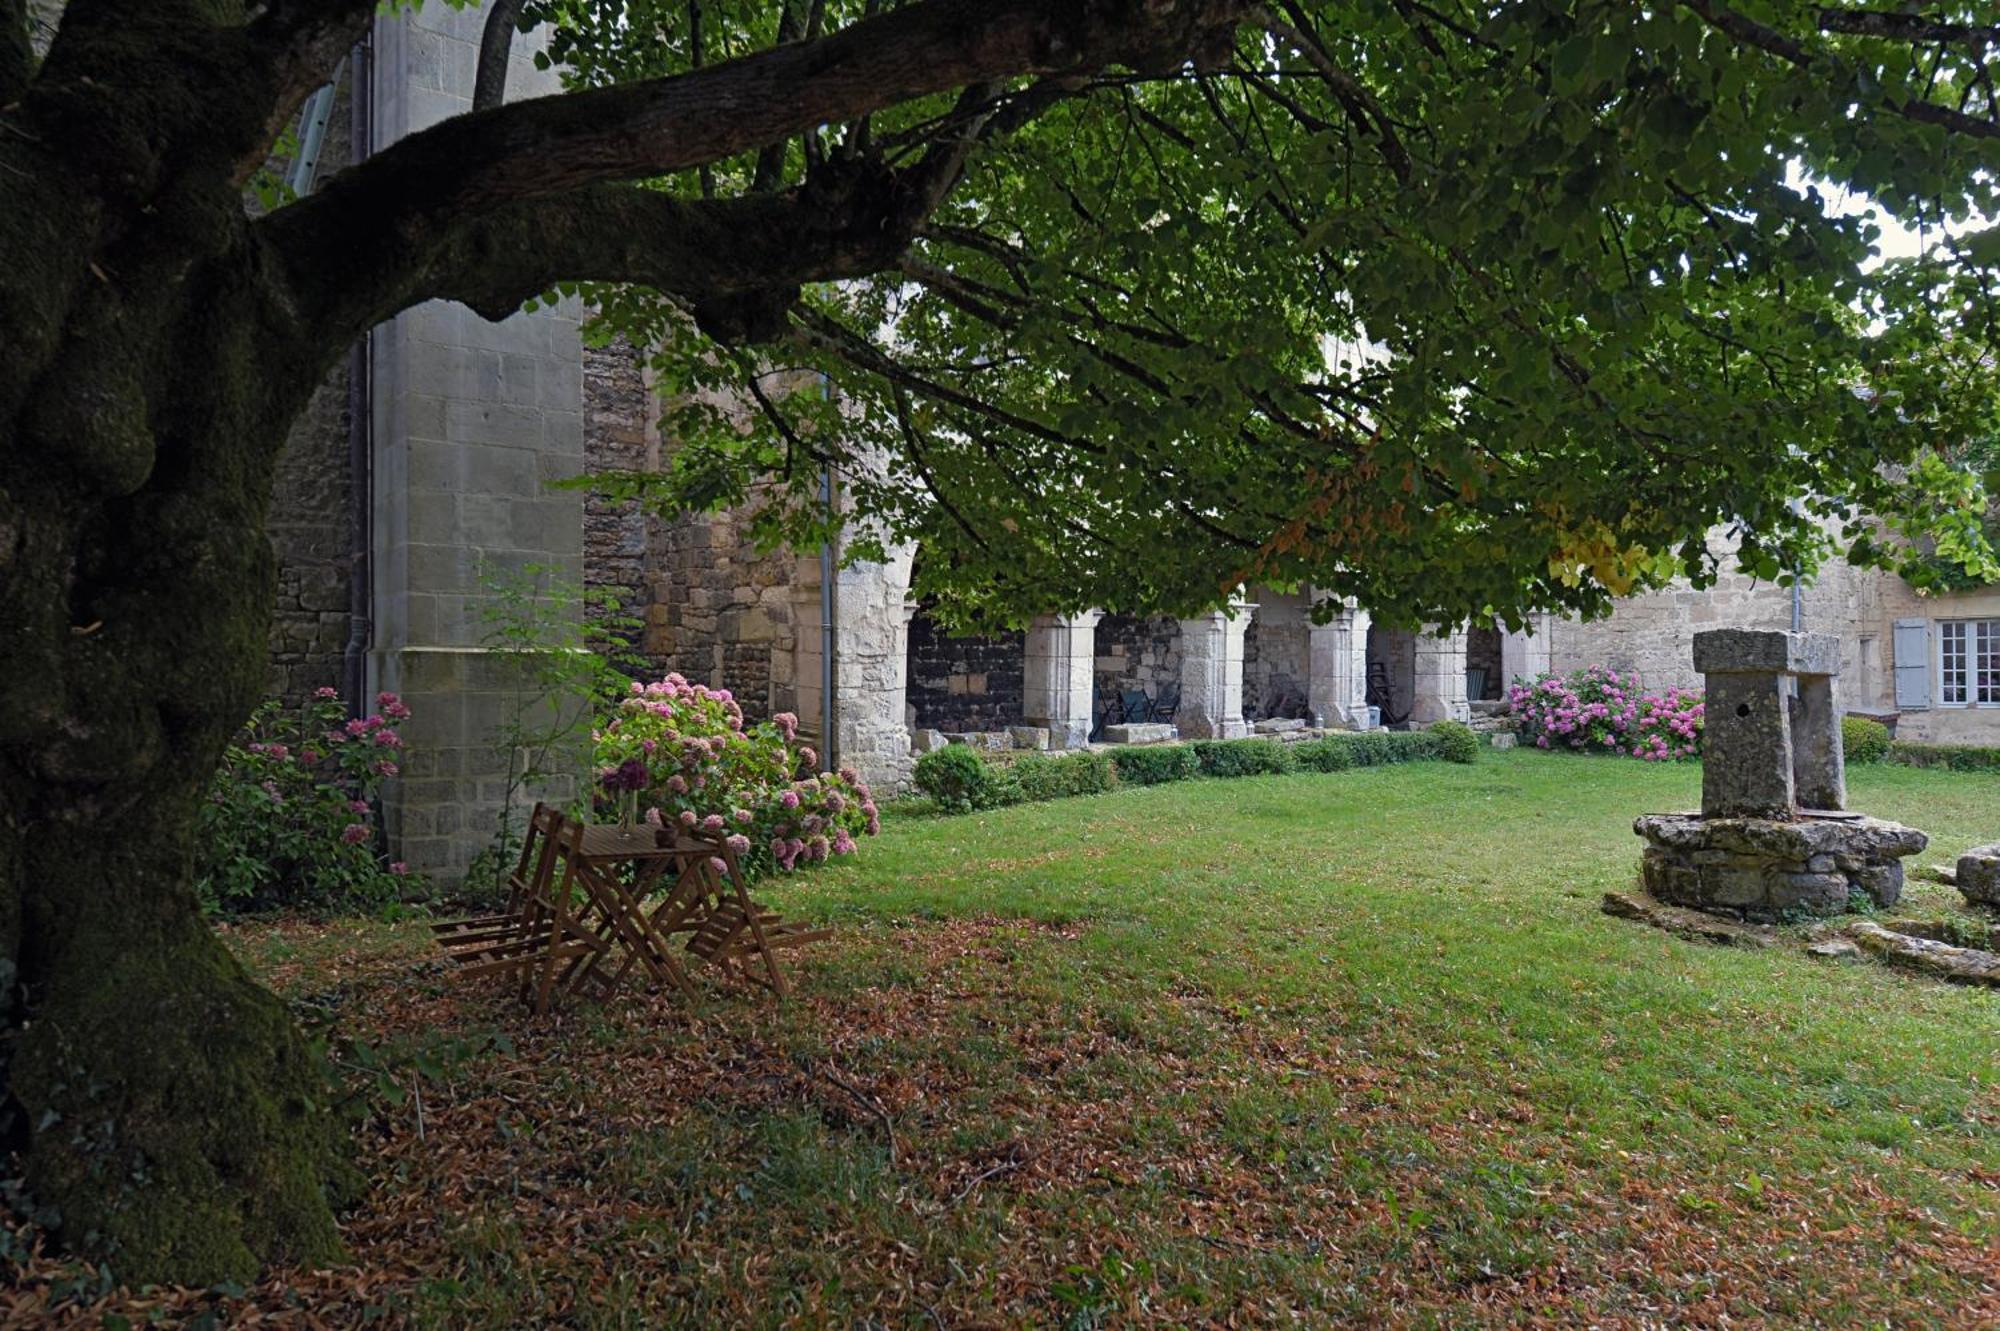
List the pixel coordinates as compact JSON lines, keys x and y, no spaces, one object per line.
{"x":165,"y":1106}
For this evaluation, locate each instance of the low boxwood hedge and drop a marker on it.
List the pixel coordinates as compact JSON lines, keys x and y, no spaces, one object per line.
{"x":1375,"y":748}
{"x":1456,"y":741}
{"x":1953,"y":757}
{"x":1042,"y":776}
{"x":1153,"y":764}
{"x":1243,"y":757}
{"x":961,"y":779}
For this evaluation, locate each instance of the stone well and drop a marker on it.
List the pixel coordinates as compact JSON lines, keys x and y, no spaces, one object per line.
{"x":1773,"y":837}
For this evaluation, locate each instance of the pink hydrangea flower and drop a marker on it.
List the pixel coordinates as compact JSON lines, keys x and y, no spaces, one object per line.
{"x":354,"y":833}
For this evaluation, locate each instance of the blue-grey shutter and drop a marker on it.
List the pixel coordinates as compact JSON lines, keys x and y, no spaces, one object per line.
{"x":1913,"y":665}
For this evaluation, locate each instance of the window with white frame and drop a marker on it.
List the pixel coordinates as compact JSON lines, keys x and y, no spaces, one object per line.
{"x":1968,"y":662}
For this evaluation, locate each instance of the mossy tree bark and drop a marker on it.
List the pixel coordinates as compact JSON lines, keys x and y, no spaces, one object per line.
{"x":158,"y":344}
{"x":172,"y":1116}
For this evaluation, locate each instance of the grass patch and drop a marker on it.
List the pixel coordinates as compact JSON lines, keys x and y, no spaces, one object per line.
{"x":1352,"y":1046}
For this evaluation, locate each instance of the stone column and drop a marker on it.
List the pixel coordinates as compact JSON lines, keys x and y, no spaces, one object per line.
{"x":1747,"y":768}
{"x":1337,"y":683}
{"x":1746,"y":764}
{"x":871,"y":649}
{"x":1058,"y":676}
{"x":1212,"y":673}
{"x":1439,"y":694}
{"x":1819,"y":760}
{"x":470,"y":419}
{"x":1524,"y":654}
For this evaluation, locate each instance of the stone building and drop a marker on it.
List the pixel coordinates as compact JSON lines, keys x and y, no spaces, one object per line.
{"x":424,"y":467}
{"x":1928,"y":662}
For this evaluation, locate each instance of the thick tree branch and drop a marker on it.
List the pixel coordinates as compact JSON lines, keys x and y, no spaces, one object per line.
{"x":737,"y":263}
{"x":1906,"y":27}
{"x":296,"y":44}
{"x":1746,"y":31}
{"x":496,"y":44}
{"x":554,"y":144}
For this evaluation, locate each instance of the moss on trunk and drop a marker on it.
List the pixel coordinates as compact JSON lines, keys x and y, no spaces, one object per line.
{"x":168,"y":1110}
{"x":178,"y":1121}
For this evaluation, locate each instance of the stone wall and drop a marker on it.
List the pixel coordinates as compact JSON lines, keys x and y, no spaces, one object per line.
{"x":1276,"y":654}
{"x":960,"y":684}
{"x":1135,"y":653}
{"x":472,"y":419}
{"x":1482,"y":652}
{"x":311,"y":516}
{"x":618,"y":435}
{"x":719,"y":612}
{"x":1652,"y":634}
{"x":311,"y":532}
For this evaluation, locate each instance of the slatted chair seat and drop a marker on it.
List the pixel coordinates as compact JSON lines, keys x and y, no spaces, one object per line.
{"x":726,"y":928}
{"x":472,"y":937}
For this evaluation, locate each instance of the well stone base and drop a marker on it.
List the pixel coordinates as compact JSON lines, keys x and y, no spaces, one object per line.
{"x":1767,"y":869}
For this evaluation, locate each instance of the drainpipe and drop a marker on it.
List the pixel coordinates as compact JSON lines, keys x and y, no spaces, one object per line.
{"x":1798,"y":592}
{"x":829,"y":606}
{"x":360,"y":438}
{"x":829,"y":610}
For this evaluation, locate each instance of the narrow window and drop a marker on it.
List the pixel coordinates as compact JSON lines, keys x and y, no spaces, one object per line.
{"x":1952,"y":638}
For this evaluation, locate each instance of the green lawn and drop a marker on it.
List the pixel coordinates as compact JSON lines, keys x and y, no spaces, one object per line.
{"x":1309,"y":1047}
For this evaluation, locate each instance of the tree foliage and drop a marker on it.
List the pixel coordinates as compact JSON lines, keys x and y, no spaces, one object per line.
{"x":1454,"y":308}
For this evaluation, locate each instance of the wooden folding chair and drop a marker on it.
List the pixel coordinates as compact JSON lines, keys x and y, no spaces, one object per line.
{"x":472,"y":937}
{"x":729,"y":930}
{"x":561,"y":930}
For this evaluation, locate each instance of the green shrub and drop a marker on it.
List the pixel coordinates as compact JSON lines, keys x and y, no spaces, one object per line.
{"x":1863,"y":740}
{"x":1374,"y":748}
{"x":289,"y":820}
{"x":959,"y":780}
{"x":1242,"y":757}
{"x":1334,"y":753}
{"x":1456,"y":742}
{"x":1043,"y":777}
{"x":1152,"y":765}
{"x":1953,"y":757}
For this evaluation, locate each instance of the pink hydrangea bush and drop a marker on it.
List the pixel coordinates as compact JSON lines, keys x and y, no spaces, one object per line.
{"x":1599,"y":710}
{"x":289,"y":820}
{"x":683,"y":750}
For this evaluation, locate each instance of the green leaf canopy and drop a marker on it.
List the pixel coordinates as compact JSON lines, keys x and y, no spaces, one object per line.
{"x":1464,"y":310}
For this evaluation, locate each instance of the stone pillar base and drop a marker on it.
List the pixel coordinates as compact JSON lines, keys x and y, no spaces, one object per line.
{"x":444,"y":807}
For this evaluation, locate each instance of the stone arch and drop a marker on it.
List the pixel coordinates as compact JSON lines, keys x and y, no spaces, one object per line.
{"x":1485,"y":676}
{"x":1392,"y":679}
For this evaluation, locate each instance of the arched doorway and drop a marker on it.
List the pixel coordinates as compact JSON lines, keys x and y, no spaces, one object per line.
{"x":1392,"y":673}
